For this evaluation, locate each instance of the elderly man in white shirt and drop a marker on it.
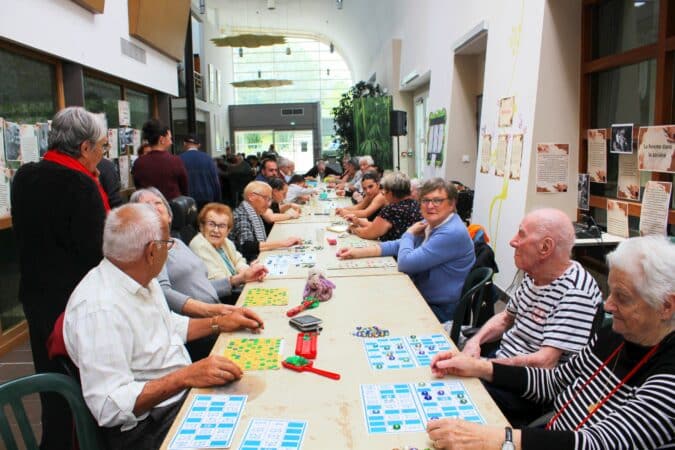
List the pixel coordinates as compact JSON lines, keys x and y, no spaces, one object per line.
{"x":128,"y":346}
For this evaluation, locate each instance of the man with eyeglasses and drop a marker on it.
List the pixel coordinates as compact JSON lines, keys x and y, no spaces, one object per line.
{"x":128,"y":346}
{"x":248,"y":232}
{"x":437,"y":252}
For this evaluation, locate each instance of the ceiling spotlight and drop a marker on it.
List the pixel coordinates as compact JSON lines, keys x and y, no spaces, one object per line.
{"x":202,"y":6}
{"x":259,"y":74}
{"x":271,"y":4}
{"x":332,"y":47}
{"x":288,"y":50}
{"x":328,"y":72}
{"x":339,"y":4}
{"x":241,"y":52}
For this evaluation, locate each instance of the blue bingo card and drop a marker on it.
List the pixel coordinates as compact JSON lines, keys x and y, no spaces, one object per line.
{"x":439,"y":399}
{"x":408,"y":352}
{"x":407,"y":407}
{"x":390,"y":408}
{"x":273,"y":434}
{"x":210,"y":422}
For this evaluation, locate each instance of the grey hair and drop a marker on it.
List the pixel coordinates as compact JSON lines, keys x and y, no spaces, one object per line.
{"x":128,"y":229}
{"x":284,"y":162}
{"x":556,"y":224}
{"x":367,"y":159}
{"x":439,"y":183}
{"x":650,"y":262}
{"x":71,"y":127}
{"x":397,"y":183}
{"x":137,"y":197}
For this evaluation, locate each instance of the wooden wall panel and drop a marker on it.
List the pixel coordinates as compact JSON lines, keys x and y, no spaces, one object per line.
{"x":94,"y":6}
{"x":162,"y":24}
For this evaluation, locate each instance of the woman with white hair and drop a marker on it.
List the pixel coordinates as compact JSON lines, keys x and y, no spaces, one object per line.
{"x":616,"y":393}
{"x":58,"y":211}
{"x":400,"y":212}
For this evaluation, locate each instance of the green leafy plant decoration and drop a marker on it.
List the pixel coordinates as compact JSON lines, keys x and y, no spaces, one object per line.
{"x":343,"y":115}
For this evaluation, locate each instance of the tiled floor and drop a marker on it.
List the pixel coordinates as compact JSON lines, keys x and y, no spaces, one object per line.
{"x":19,"y":363}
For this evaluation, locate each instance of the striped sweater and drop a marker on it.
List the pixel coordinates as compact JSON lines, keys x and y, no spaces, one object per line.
{"x":559,"y":314}
{"x":640,"y":415}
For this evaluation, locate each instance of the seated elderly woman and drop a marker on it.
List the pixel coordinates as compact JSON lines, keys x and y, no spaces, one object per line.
{"x":184,"y":279}
{"x":279,"y":210}
{"x":437,"y":252}
{"x":372,"y":200}
{"x":248,"y":233}
{"x":617,"y":392}
{"x":212,"y":245}
{"x":400,"y":212}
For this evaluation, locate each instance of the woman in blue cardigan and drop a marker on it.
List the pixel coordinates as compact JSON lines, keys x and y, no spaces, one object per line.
{"x":437,"y":252}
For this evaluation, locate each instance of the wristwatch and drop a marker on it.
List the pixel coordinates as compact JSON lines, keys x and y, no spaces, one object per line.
{"x":508,"y":441}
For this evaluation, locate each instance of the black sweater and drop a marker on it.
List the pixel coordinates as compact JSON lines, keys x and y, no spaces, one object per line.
{"x":641,"y":414}
{"x":58,"y":218}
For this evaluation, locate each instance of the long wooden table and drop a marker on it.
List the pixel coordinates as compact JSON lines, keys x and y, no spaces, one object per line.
{"x":326,"y":256}
{"x":333,"y":409}
{"x":375,"y":296}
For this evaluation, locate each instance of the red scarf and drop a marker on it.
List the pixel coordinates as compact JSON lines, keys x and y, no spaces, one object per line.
{"x":72,"y":163}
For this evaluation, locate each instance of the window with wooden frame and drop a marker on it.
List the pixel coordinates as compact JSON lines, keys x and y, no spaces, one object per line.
{"x":102,"y":92}
{"x":627,"y":76}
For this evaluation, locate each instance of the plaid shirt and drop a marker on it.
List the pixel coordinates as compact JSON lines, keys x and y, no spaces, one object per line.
{"x":248,"y":227}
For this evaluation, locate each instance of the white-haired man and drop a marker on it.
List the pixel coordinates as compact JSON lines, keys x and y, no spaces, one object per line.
{"x":551,"y":313}
{"x":128,"y":346}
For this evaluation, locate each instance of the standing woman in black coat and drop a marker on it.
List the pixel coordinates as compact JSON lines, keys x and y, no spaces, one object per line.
{"x":58,"y":212}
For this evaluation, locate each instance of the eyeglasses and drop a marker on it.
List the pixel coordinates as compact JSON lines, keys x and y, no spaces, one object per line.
{"x":267,"y":198}
{"x":220,"y":226}
{"x":434,"y":201}
{"x":169,"y":242}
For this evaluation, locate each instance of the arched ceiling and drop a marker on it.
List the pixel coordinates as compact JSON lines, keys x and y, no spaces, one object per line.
{"x":358,"y":30}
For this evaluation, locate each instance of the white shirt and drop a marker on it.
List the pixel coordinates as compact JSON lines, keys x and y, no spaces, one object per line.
{"x":121,"y":335}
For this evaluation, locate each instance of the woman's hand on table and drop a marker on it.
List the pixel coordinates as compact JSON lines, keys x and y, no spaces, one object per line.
{"x":241,"y":318}
{"x":458,"y":364}
{"x":255,"y":272}
{"x":457,"y":434}
{"x":290,"y":241}
{"x":347,"y":253}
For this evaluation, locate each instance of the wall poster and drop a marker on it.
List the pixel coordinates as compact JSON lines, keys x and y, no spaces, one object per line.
{"x":656,"y":148}
{"x":552,"y":167}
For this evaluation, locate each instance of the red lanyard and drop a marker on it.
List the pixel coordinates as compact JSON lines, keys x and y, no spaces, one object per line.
{"x":594,"y":408}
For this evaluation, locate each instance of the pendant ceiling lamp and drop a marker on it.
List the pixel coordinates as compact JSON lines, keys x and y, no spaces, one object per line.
{"x":261,"y":83}
{"x":249,"y":40}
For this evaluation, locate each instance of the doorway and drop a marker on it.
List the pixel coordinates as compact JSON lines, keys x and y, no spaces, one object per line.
{"x":295,"y":145}
{"x":466,"y":106}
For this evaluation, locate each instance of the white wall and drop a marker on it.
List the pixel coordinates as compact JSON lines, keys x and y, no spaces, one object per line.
{"x":428,"y":32}
{"x":558,"y":97}
{"x":66,"y":30}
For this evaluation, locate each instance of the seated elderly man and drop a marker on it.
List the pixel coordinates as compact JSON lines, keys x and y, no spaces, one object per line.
{"x":616,"y":393}
{"x":128,"y":346}
{"x":320,"y":170}
{"x":437,"y":252}
{"x":552,"y":311}
{"x":248,"y":232}
{"x":286,"y":168}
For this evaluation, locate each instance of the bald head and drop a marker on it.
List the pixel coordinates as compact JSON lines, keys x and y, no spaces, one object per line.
{"x":557,"y":225}
{"x":543,"y":244}
{"x":128,"y":229}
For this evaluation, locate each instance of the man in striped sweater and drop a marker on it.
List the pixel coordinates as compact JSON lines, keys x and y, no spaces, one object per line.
{"x":551,"y":314}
